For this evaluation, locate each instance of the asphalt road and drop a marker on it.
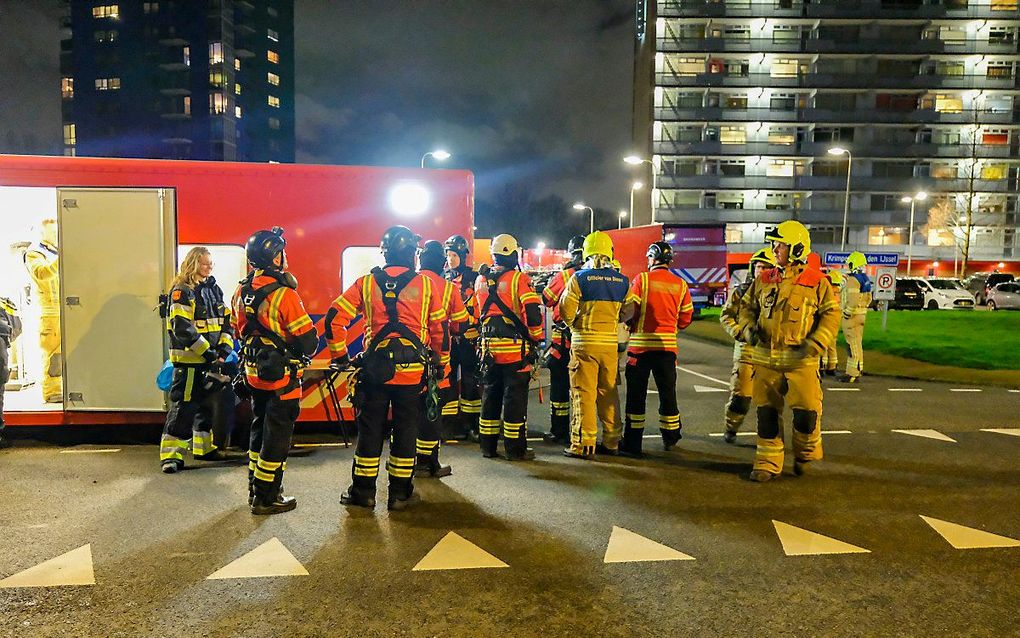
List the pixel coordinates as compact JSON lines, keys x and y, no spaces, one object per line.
{"x":154,"y":539}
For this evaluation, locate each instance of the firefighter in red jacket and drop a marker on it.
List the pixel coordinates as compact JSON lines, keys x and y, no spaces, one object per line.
{"x":278,"y":340}
{"x":511,"y":330}
{"x":662,"y":307}
{"x":431,"y":261}
{"x":404,"y":317}
{"x":558,"y":356}
{"x":463,"y":396}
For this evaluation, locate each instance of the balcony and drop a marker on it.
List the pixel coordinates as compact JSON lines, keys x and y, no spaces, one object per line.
{"x":866,"y":9}
{"x":861,"y":80}
{"x":816,"y":45}
{"x":827,"y":116}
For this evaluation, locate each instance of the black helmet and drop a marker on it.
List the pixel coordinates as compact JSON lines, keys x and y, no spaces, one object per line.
{"x":660,"y":252}
{"x":399,"y":244}
{"x":575,"y":245}
{"x":263,"y":247}
{"x":432,"y":256}
{"x":457,"y":244}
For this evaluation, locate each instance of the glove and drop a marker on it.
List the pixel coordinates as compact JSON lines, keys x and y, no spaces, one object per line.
{"x":223,"y":351}
{"x":210,"y":356}
{"x":340,"y":363}
{"x":435,"y":360}
{"x":749,"y":335}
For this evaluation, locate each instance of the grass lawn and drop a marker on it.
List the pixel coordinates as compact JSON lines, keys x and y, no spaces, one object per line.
{"x":962,"y":339}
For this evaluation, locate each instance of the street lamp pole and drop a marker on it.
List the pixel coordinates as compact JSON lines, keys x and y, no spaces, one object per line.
{"x":619,"y":221}
{"x":437,"y":154}
{"x":636,"y":186}
{"x":634,"y":160}
{"x":919,"y":197}
{"x":836,"y":150}
{"x":580,"y":206}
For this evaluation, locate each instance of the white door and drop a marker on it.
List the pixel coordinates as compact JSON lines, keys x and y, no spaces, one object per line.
{"x":116,"y":257}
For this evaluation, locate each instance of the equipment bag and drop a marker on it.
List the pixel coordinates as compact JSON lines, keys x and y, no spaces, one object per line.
{"x":379,"y":365}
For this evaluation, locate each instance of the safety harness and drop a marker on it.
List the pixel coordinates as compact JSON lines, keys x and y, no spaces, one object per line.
{"x":520,"y":330}
{"x":271,"y":363}
{"x":391,"y":286}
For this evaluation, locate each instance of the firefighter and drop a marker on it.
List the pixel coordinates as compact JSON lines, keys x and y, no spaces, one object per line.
{"x":463,"y":396}
{"x":787,"y":318}
{"x":854,"y":302}
{"x":511,"y":321}
{"x":198,"y":324}
{"x":403,"y":344}
{"x":830,"y":360}
{"x":10,"y":329}
{"x":43,"y":263}
{"x":740,"y":379}
{"x":592,"y":306}
{"x":431,"y":261}
{"x":558,"y":351}
{"x":662,"y":307}
{"x":278,"y":340}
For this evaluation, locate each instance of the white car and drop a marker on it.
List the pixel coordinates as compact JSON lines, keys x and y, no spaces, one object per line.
{"x":945,"y":294}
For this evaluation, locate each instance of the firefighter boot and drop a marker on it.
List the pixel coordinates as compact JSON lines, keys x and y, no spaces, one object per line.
{"x":490,"y":445}
{"x":583,"y":452}
{"x":517,"y":449}
{"x":670,"y":438}
{"x":269,"y":498}
{"x":402,"y":495}
{"x":172,"y":467}
{"x":361,"y":493}
{"x":428,"y":465}
{"x":631,"y":443}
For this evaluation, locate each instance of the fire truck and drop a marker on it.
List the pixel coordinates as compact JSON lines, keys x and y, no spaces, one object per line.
{"x":123,"y":226}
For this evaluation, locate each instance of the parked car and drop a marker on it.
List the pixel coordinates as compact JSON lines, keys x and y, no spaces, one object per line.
{"x":908,"y":296}
{"x":944,"y":294}
{"x":1004,"y":296}
{"x":980,"y":283}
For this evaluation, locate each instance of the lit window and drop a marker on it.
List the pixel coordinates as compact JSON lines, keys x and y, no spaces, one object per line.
{"x":217,"y":103}
{"x":274,"y":101}
{"x":237,"y":64}
{"x":106,"y":11}
{"x":237,"y":89}
{"x":273,"y":56}
{"x":784,"y":68}
{"x":782,"y":136}
{"x":999,"y":70}
{"x":70,"y":137}
{"x":994,"y":171}
{"x":215,"y":53}
{"x":67,"y":88}
{"x":274,"y":123}
{"x":107,"y":84}
{"x":732,"y":135}
{"x":273,"y":35}
{"x":187,"y":105}
{"x":687,"y":67}
{"x":948,"y":104}
{"x":186,"y":52}
{"x":273,"y":78}
{"x":216,"y":78}
{"x":237,"y":112}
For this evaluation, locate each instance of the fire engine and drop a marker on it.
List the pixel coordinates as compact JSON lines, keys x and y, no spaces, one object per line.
{"x":123,"y":225}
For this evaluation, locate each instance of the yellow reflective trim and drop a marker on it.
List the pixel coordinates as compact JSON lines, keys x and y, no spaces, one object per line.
{"x":264,"y":476}
{"x":189,"y":383}
{"x":299,"y":323}
{"x":346,"y":306}
{"x":269,"y":465}
{"x":366,"y":472}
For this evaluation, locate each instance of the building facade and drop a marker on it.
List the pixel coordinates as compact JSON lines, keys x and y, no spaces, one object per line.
{"x":179,"y":79}
{"x":745,"y":105}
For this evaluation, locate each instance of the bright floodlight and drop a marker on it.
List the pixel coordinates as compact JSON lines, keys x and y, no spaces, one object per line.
{"x":540,"y":245}
{"x":633,"y":159}
{"x":921,"y":196}
{"x":636,"y":186}
{"x":623,"y":214}
{"x":410,"y":199}
{"x":580,"y":206}
{"x":441,"y":155}
{"x":838,"y":150}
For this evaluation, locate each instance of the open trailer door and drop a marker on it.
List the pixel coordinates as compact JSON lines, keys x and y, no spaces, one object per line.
{"x":116,"y":258}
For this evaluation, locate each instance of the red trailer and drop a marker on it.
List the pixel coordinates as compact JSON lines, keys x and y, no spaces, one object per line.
{"x":123,"y":225}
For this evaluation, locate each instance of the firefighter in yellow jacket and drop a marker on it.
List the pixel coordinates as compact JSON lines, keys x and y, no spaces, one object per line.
{"x":787,"y":319}
{"x":43,"y":263}
{"x":854,"y":302}
{"x":740,"y":379}
{"x":592,"y":306}
{"x":830,"y":359}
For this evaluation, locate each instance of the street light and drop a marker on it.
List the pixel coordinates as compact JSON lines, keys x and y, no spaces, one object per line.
{"x":636,"y":186}
{"x":838,"y":150}
{"x":539,"y":247}
{"x":437,"y":154}
{"x":920,"y":196}
{"x":619,"y":222}
{"x":580,"y":206}
{"x":635,"y":160}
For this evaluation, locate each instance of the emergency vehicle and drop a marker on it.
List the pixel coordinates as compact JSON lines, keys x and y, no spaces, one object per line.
{"x":123,"y":226}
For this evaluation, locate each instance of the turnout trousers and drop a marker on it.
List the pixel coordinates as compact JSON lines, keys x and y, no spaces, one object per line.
{"x":660,"y":364}
{"x":190,"y":420}
{"x":462,"y":400}
{"x":559,"y":393}
{"x":5,"y":376}
{"x":504,"y":402}
{"x":52,"y":363}
{"x":853,"y":332}
{"x":408,"y":405}
{"x":801,"y":389}
{"x":740,"y":392}
{"x":594,"y":378}
{"x":271,"y":431}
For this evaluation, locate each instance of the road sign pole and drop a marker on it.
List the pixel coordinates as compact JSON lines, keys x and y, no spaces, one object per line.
{"x":885,"y":314}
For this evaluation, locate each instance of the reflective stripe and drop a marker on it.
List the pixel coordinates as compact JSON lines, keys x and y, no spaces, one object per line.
{"x":268,"y":477}
{"x":488,"y":426}
{"x":269,"y":466}
{"x":400,"y":467}
{"x":366,"y":466}
{"x":513,"y":430}
{"x":202,"y":443}
{"x":172,"y":448}
{"x":471,"y":407}
{"x":189,"y":383}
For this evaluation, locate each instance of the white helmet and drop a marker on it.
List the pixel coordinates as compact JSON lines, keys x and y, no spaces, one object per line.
{"x":504,"y":245}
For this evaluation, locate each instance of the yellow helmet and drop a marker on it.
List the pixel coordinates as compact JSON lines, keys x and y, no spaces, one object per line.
{"x":763,"y":256}
{"x":617,"y":265}
{"x":503,"y":245}
{"x":598,"y":243}
{"x":836,"y":277}
{"x":795,"y":235}
{"x":856,"y":261}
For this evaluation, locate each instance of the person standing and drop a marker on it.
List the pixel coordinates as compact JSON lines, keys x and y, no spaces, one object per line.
{"x":592,"y":307}
{"x":198,"y":324}
{"x":787,"y":319}
{"x":10,"y":330}
{"x":740,"y":378}
{"x":830,"y":360}
{"x":854,"y":302}
{"x":558,"y":357}
{"x":431,"y":260}
{"x":511,"y":330}
{"x":662,"y":307}
{"x":43,"y":263}
{"x":278,"y":340}
{"x":463,"y":397}
{"x":404,"y":318}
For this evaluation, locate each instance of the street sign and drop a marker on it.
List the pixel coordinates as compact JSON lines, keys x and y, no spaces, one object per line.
{"x":874,"y":259}
{"x":885,"y":283}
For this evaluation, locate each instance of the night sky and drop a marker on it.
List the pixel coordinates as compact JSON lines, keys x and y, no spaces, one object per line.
{"x":528,"y":94}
